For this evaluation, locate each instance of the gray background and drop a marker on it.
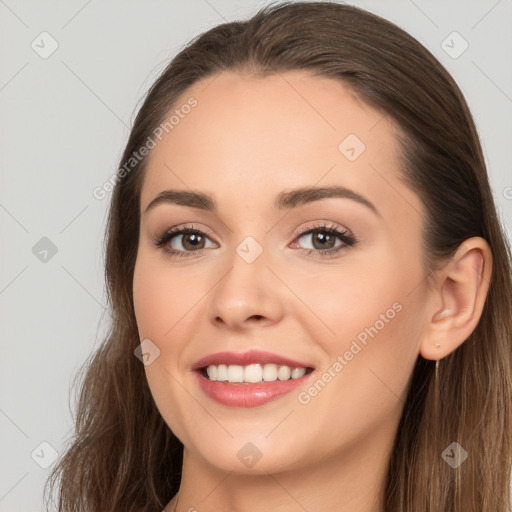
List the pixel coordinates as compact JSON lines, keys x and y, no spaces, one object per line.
{"x":64,"y":121}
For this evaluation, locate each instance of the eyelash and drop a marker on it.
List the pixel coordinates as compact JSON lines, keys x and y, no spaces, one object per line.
{"x":348,"y":240}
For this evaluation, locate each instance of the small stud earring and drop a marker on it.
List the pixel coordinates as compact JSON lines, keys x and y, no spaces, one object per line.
{"x":437,"y":345}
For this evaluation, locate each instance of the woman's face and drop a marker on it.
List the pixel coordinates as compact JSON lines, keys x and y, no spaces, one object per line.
{"x":252,"y":280}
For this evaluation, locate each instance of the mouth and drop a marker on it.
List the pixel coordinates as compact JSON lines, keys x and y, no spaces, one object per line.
{"x":250,"y":379}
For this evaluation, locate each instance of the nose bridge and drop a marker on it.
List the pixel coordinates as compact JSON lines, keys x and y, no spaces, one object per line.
{"x":249,"y":236}
{"x":247,"y":261}
{"x":246,"y":289}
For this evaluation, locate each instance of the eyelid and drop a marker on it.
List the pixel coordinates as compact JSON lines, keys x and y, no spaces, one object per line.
{"x":325,"y":224}
{"x":296,"y":233}
{"x":185,"y":227}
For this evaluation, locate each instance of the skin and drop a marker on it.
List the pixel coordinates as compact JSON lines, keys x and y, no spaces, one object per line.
{"x":247,"y":140}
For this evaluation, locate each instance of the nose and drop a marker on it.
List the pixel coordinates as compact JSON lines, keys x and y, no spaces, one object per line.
{"x":247,"y":293}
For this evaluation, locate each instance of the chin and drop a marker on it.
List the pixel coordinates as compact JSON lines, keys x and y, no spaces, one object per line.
{"x":248,"y":456}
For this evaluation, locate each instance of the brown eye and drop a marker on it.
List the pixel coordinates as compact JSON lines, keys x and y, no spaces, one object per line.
{"x":192,"y":240}
{"x":323,"y":239}
{"x":182,"y":241}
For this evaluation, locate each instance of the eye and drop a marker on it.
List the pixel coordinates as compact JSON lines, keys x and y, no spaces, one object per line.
{"x":191,"y":238}
{"x":323,"y":238}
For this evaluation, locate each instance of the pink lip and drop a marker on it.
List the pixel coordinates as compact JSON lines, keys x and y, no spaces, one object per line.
{"x":243,"y":394}
{"x":248,"y":395}
{"x":245,"y":358}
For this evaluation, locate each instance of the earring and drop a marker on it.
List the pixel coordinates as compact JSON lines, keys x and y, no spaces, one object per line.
{"x":437,"y":345}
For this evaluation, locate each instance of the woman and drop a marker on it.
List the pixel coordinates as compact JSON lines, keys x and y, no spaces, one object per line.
{"x":310,"y":287}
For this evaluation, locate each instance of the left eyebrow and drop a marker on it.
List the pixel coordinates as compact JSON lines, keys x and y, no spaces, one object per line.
{"x":300,"y":196}
{"x":284,"y":200}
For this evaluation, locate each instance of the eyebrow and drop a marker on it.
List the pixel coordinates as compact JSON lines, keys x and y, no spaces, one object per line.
{"x":283,"y":201}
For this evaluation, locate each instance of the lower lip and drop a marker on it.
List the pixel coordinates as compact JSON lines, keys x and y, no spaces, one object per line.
{"x":248,"y":395}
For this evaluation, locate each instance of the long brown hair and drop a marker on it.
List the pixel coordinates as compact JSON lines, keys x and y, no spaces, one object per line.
{"x":124,"y":458}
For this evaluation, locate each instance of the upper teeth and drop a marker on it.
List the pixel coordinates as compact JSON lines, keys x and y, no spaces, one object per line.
{"x":253,"y":373}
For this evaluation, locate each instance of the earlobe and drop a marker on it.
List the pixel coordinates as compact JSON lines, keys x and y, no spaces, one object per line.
{"x":462,"y":289}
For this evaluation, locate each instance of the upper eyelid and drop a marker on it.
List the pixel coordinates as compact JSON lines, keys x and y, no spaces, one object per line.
{"x":181,"y":230}
{"x":317,"y":225}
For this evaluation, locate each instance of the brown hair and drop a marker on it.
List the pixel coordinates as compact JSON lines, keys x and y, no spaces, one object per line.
{"x":125,"y":458}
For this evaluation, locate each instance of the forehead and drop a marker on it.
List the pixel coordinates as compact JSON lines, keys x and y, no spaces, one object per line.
{"x":265,"y":116}
{"x":252,"y":137}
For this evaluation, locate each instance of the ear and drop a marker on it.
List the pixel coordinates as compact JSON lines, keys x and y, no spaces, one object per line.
{"x":459,"y":298}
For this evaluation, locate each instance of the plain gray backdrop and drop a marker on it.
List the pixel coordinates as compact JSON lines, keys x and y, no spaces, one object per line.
{"x":72,"y":75}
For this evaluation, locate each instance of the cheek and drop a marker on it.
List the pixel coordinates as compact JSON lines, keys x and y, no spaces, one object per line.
{"x":168,"y":304}
{"x":160,"y":310}
{"x":144,"y":290}
{"x":368,"y":358}
{"x":159,"y":298}
{"x":341,"y":301}
{"x":369,"y":316}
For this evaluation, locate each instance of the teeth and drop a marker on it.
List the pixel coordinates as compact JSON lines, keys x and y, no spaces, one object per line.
{"x":253,"y":373}
{"x":297,"y":372}
{"x":235,"y":373}
{"x":212,"y":372}
{"x":284,"y":373}
{"x":270,"y":372}
{"x":222,"y":372}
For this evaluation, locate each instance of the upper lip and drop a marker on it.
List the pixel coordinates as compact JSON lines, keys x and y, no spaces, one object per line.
{"x":245,"y":358}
